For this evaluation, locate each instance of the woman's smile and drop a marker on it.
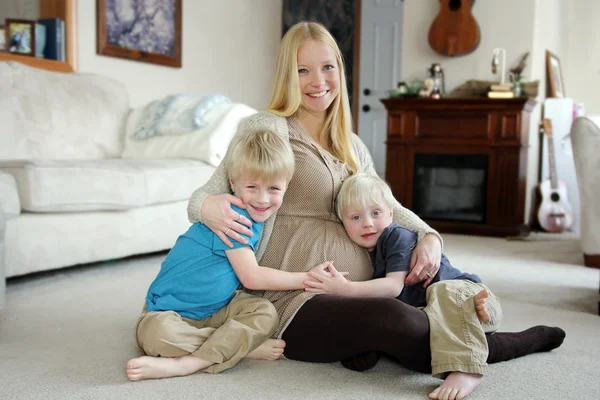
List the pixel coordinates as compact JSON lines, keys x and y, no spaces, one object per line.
{"x":318,"y":94}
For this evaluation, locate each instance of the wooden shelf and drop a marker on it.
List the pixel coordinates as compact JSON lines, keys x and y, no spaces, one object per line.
{"x":67,"y":11}
{"x":42,"y":63}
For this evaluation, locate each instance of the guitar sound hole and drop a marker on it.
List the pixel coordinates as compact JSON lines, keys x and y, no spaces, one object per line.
{"x":457,"y":4}
{"x":454,"y":5}
{"x":555,"y":197}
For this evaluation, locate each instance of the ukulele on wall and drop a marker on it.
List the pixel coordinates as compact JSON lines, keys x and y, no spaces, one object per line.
{"x":454,"y":31}
{"x":554,"y":213}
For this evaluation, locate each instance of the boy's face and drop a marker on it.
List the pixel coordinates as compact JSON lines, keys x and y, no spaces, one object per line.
{"x":364,"y":225}
{"x":262,"y":199}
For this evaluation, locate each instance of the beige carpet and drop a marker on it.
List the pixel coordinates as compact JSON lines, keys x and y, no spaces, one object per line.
{"x":68,"y":334}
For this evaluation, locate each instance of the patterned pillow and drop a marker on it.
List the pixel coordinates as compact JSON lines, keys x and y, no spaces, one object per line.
{"x":208,"y":144}
{"x":177,"y":114}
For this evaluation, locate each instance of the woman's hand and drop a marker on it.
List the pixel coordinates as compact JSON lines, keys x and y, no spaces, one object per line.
{"x":218,"y":215}
{"x":425,"y":261}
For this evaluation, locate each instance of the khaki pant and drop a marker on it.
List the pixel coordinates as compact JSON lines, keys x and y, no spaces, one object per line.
{"x":457,"y":336}
{"x":223,"y":338}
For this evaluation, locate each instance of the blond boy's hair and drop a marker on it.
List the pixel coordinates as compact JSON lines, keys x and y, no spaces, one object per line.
{"x":363,"y":190}
{"x":336,"y":136}
{"x":262,"y":155}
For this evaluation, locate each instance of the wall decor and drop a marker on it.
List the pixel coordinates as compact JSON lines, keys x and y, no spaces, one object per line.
{"x":140,"y":30}
{"x":454,"y":31}
{"x":556,"y":87}
{"x":20,"y":36}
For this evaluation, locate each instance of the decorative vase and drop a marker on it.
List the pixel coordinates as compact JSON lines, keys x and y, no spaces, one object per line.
{"x":517,"y":89}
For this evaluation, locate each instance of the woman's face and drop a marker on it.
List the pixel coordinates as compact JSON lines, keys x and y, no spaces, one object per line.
{"x":319,"y":76}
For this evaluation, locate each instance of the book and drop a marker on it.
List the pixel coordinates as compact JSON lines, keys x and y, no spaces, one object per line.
{"x":500,"y":95}
{"x":501,"y":87}
{"x":54,"y":38}
{"x":63,"y":42}
{"x":40,"y":40}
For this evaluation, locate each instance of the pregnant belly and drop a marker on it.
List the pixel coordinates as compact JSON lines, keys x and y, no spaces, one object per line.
{"x":299,"y":244}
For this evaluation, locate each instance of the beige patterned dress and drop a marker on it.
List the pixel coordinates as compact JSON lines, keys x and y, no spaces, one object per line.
{"x":306,"y":230}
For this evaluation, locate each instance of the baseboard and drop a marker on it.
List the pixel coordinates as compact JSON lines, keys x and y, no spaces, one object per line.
{"x":592,"y":260}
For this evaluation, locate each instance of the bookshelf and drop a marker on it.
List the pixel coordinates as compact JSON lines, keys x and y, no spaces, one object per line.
{"x":67,"y":11}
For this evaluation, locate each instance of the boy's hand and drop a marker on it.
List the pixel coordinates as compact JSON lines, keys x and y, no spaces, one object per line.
{"x":324,"y":278}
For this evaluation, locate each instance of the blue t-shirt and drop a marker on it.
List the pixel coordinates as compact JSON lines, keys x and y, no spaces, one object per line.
{"x":196,"y":279}
{"x":393,"y":252}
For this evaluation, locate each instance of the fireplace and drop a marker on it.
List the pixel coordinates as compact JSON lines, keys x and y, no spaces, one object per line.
{"x":450,"y":187}
{"x":460,"y":164}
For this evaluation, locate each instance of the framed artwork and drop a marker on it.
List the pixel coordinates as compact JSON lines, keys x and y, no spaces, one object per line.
{"x":556,"y":87}
{"x":20,"y":36}
{"x":140,"y":30}
{"x":2,"y":39}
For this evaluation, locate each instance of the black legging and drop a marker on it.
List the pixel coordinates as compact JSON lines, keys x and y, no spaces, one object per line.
{"x":330,"y":328}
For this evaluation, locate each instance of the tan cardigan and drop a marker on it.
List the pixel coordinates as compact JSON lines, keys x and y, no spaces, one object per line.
{"x":219,"y":182}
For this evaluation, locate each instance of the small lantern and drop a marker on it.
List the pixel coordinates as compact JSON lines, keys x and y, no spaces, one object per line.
{"x":436,"y":74}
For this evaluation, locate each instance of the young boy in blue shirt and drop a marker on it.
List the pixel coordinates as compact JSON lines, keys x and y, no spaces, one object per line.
{"x":195,"y":318}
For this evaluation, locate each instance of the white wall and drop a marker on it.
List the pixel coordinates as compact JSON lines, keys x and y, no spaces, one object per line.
{"x":581,"y":60}
{"x":229,"y":47}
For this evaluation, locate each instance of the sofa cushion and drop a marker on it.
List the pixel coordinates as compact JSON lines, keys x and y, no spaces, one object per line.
{"x":53,"y":115}
{"x":113,"y":184}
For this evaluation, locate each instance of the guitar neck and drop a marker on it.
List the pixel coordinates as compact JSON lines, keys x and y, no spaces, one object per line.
{"x":552,"y":164}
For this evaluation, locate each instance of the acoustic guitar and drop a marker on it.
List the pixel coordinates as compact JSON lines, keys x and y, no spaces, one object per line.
{"x":454,"y":31}
{"x":554,"y":212}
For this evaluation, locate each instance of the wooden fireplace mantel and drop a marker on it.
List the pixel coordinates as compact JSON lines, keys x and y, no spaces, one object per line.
{"x":497,"y":128}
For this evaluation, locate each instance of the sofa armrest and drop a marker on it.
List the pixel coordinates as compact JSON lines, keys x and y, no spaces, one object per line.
{"x":9,"y":196}
{"x":2,"y":259}
{"x":585,"y":137}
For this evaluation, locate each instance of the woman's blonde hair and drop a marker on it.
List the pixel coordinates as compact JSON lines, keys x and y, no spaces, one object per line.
{"x":286,"y":98}
{"x":262,"y":155}
{"x":363,"y":190}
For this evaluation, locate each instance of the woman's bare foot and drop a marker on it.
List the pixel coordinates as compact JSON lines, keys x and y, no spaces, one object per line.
{"x":480,"y":306}
{"x":272,"y":349}
{"x":146,"y":367}
{"x":457,"y":386}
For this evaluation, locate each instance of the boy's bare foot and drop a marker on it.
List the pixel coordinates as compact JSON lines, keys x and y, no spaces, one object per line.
{"x":480,"y":307}
{"x":146,"y":367}
{"x":457,"y":386}
{"x":272,"y":349}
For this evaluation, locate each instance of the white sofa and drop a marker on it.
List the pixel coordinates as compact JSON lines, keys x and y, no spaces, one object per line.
{"x":69,"y":194}
{"x":585,"y":136}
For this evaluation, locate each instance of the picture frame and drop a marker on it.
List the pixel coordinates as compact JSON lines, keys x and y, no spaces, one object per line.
{"x":20,"y":36}
{"x":140,"y":30}
{"x":2,"y":39}
{"x":556,"y":86}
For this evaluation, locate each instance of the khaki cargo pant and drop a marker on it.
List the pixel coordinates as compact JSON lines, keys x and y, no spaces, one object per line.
{"x":457,"y":336}
{"x":223,"y":338}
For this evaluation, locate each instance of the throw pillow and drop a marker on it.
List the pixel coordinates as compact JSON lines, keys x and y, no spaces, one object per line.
{"x":208,"y":144}
{"x":177,"y":114}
